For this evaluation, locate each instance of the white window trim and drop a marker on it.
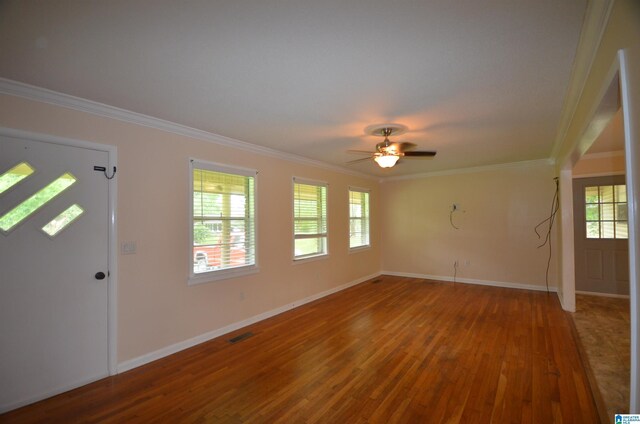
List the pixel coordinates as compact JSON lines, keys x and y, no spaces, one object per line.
{"x":307,"y":258}
{"x":364,"y":246}
{"x":221,"y":274}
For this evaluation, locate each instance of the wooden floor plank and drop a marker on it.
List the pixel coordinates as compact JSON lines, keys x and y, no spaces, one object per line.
{"x":400,"y":350}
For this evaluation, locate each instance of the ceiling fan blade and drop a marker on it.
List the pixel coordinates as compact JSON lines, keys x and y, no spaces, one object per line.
{"x":360,"y":160}
{"x":420,"y":154}
{"x":403,"y":147}
{"x":360,"y":151}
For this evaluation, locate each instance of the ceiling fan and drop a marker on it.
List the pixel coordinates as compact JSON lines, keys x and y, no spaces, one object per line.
{"x":388,"y":153}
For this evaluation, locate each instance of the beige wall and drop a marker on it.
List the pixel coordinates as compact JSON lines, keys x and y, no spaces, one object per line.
{"x":598,"y":165}
{"x":156,"y":307}
{"x":499,"y":210}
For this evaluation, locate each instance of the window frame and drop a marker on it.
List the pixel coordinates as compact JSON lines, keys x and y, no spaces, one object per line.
{"x":316,"y":256}
{"x":227,"y":273}
{"x":601,"y":220}
{"x":368,"y":218}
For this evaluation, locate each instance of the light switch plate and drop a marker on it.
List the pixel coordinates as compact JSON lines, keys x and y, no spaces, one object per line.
{"x":128,"y":248}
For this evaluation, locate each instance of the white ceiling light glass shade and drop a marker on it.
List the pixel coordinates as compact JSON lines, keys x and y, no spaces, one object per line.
{"x":386,"y":161}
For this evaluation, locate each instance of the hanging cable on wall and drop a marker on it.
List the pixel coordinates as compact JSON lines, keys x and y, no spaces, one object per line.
{"x":454,"y":208}
{"x":555,"y":205}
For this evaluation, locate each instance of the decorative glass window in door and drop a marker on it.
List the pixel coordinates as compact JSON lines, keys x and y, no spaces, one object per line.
{"x":606,"y":212}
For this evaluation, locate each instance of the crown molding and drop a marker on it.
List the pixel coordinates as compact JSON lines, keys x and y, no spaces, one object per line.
{"x":593,"y":27}
{"x":27,"y":91}
{"x":603,"y":155}
{"x":598,"y":174}
{"x":475,"y":169}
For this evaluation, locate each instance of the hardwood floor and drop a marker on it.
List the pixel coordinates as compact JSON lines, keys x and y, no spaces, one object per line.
{"x":398,"y":350}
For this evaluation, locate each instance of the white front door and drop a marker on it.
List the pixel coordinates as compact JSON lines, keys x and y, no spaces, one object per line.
{"x":54,"y":241}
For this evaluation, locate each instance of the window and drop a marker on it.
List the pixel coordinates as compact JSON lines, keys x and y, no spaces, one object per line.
{"x":309,"y":218}
{"x":358,"y":218}
{"x":223,"y":222}
{"x":606,"y":212}
{"x":43,"y":196}
{"x":62,"y":221}
{"x":14,"y":176}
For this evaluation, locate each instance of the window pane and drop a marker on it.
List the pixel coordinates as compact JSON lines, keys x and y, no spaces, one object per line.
{"x":593,"y":230}
{"x":14,"y":176}
{"x":591,"y":194}
{"x":622,"y":230}
{"x":223,"y":221}
{"x":606,"y":194}
{"x":207,"y":204}
{"x":607,"y":230}
{"x":359,"y":218}
{"x":592,"y":212}
{"x":621,"y":193}
{"x":63,"y":220}
{"x":621,"y":211}
{"x":308,"y":226}
{"x":310,"y":219}
{"x":309,"y":246}
{"x":607,"y":211}
{"x":206,"y":232}
{"x":36,"y":201}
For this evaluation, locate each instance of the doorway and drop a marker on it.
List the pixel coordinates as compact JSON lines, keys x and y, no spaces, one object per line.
{"x":56,"y":253}
{"x":615,"y":93}
{"x":601,"y":231}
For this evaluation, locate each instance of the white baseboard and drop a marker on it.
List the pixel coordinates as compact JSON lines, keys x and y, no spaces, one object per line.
{"x":177,"y":347}
{"x":471,"y":281}
{"x":617,"y":296}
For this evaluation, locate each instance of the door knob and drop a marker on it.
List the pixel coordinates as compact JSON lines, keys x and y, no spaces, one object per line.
{"x":100,"y":275}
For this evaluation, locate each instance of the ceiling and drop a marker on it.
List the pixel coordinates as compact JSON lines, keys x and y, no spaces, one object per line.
{"x":482,"y":82}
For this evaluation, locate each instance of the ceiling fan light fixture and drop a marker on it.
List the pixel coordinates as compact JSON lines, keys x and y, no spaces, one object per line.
{"x":386,"y":161}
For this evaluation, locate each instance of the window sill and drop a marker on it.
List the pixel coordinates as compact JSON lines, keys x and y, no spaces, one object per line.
{"x":310,"y":258}
{"x":359,"y":249}
{"x":223,"y":274}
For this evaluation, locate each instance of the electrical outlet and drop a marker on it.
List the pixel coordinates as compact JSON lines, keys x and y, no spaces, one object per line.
{"x":467,"y":262}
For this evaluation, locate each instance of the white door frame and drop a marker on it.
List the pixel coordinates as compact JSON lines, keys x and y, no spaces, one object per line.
{"x":619,"y":70}
{"x":112,"y":309}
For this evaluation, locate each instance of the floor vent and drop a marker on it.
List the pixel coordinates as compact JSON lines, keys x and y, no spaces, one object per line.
{"x":241,"y":337}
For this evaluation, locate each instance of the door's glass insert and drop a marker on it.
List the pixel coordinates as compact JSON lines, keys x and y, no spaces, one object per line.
{"x":21,"y":212}
{"x":63,"y":220}
{"x":622,"y":230}
{"x":15,"y":175}
{"x":606,"y":211}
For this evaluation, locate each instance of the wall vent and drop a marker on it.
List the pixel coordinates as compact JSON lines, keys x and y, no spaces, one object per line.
{"x":241,"y":337}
